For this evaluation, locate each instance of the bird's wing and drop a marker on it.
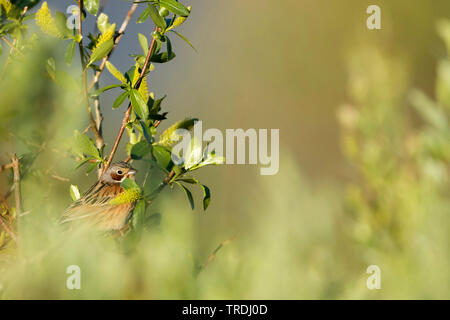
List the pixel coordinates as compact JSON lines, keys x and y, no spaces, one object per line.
{"x":95,"y":208}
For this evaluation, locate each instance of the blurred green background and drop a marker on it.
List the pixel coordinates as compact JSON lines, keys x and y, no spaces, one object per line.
{"x":364,"y":158}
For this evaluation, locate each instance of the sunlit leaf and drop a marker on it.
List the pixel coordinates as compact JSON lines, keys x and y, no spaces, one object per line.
{"x":98,"y":92}
{"x":103,"y":22}
{"x":46,"y":22}
{"x":194,"y":153}
{"x":185,"y":39}
{"x":91,"y":6}
{"x":74,"y":192}
{"x":156,"y":17}
{"x":101,"y":51}
{"x":83,"y":145}
{"x":120,"y":99}
{"x":61,"y":24}
{"x":144,"y":15}
{"x":143,"y":42}
{"x":169,"y":137}
{"x":70,"y":52}
{"x":115,"y":72}
{"x":175,"y":7}
{"x":139,"y":104}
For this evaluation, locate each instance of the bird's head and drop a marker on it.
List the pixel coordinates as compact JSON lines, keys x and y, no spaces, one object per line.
{"x":118,"y":172}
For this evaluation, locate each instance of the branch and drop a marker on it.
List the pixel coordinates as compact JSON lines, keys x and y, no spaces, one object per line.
{"x":116,"y":42}
{"x":6,"y":167}
{"x":12,"y":46}
{"x":17,"y":194}
{"x":94,"y":126}
{"x":128,"y":112}
{"x":213,"y":255}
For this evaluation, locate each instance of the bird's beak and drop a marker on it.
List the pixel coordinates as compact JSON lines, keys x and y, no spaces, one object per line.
{"x":131,"y":172}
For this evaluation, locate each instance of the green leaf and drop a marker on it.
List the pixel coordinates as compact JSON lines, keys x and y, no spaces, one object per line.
{"x":188,"y":194}
{"x":185,"y":39}
{"x":129,"y":75}
{"x":189,"y":180}
{"x":139,"y":104}
{"x":178,"y":21}
{"x":101,"y":51}
{"x":139,"y":218}
{"x":169,"y":137}
{"x":91,"y":6}
{"x":175,"y":7}
{"x":128,"y":184}
{"x":74,"y":192}
{"x":103,"y":22}
{"x":157,"y":19}
{"x":194,"y":154}
{"x":206,"y":196}
{"x":120,"y":99}
{"x":98,"y":92}
{"x":162,"y":57}
{"x":169,"y":47}
{"x":61,"y":24}
{"x":144,"y":15}
{"x":144,"y":43}
{"x":70,"y":52}
{"x":83,"y":145}
{"x":156,"y":105}
{"x":115,"y":72}
{"x":162,"y":156}
{"x":140,"y":150}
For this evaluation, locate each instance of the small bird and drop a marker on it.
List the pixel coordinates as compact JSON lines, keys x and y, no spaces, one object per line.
{"x":105,"y":206}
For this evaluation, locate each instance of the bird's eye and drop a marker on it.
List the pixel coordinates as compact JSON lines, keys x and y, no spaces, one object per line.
{"x":119,"y":172}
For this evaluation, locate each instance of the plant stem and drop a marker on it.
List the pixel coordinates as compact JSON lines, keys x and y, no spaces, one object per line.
{"x":129,"y":109}
{"x":6,"y":167}
{"x":17,"y":191}
{"x":116,"y":42}
{"x":95,"y":125}
{"x":213,"y":255}
{"x":12,"y":46}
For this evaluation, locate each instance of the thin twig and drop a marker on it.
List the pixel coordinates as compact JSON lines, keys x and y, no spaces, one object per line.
{"x":54,"y":176}
{"x":94,"y":127}
{"x":6,"y":167}
{"x":95,"y":80}
{"x":213,"y":255}
{"x":116,"y":42}
{"x":17,"y":193}
{"x":128,"y":112}
{"x":12,"y":46}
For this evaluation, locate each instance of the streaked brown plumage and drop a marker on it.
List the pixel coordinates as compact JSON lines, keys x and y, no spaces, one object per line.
{"x":95,"y":210}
